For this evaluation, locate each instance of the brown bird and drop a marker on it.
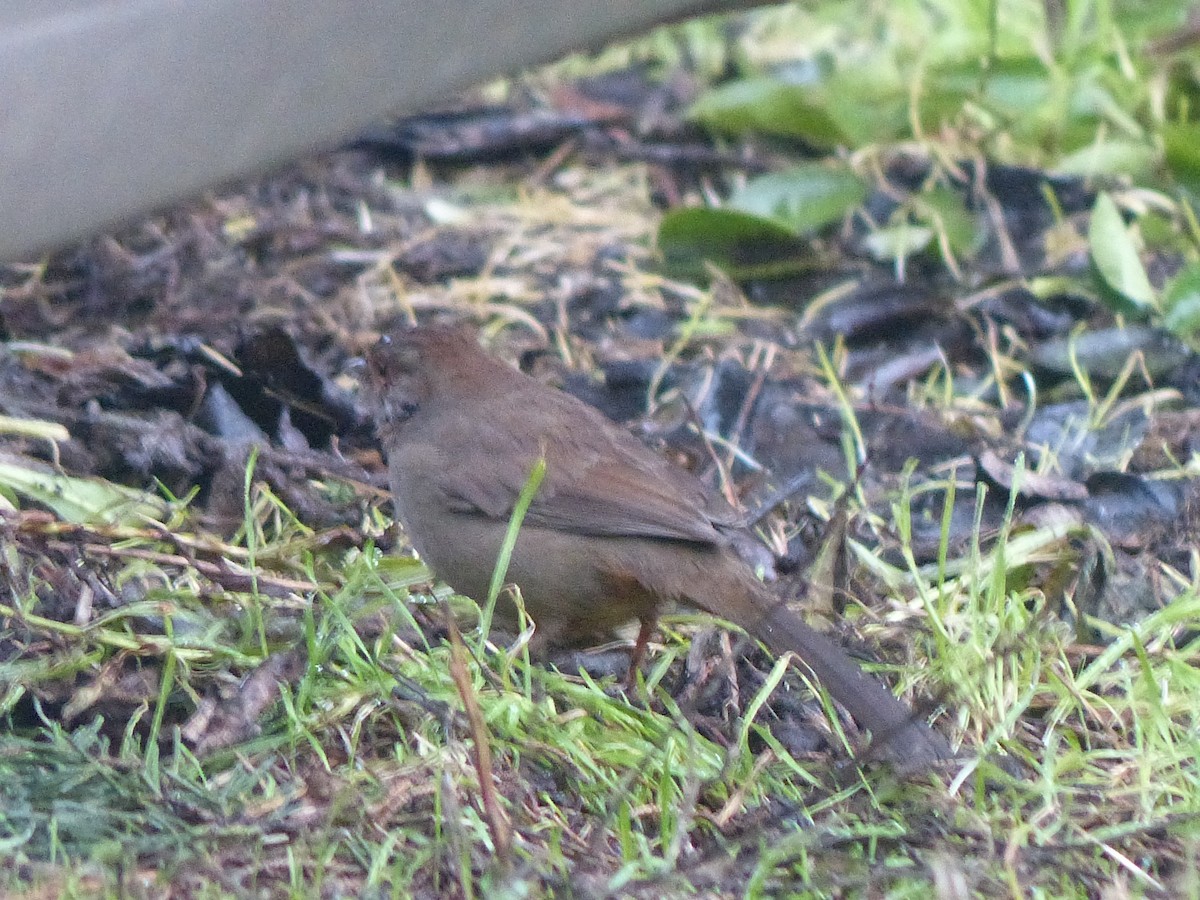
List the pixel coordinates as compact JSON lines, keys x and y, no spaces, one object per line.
{"x":614,"y":533}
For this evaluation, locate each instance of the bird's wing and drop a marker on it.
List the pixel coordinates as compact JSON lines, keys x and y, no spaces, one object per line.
{"x":598,"y":481}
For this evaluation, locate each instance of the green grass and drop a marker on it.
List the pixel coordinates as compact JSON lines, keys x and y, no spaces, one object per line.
{"x":361,"y":776}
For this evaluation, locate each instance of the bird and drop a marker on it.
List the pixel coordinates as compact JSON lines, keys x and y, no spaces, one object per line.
{"x":615,"y":533}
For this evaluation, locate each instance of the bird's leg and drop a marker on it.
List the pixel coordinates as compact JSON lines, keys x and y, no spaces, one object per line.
{"x":639,"y":649}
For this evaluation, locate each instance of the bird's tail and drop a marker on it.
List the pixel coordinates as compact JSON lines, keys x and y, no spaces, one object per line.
{"x":893,"y":726}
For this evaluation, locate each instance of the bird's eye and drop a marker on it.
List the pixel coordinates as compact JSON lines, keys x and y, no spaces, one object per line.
{"x":408,"y":408}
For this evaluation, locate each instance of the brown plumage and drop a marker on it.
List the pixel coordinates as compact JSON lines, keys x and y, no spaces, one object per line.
{"x":615,"y":533}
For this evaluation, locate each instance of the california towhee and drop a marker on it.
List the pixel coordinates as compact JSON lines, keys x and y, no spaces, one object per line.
{"x":614,"y":532}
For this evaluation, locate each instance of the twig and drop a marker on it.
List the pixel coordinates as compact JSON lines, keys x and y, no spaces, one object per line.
{"x":269,"y":584}
{"x":497,"y":821}
{"x":751,"y":398}
{"x":777,"y":498}
{"x":722,"y":469}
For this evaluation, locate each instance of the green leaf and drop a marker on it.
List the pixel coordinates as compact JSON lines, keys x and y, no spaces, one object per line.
{"x":83,"y":500}
{"x":1016,"y":85}
{"x":1017,"y":95}
{"x":1011,"y":86}
{"x":803,"y":198}
{"x":769,"y":106}
{"x":1115,"y":257}
{"x":944,"y":211}
{"x":1181,"y":148}
{"x":1133,"y":159}
{"x":869,"y":103}
{"x":898,"y":241}
{"x":854,"y":106}
{"x":1181,"y":300}
{"x":744,"y":245}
